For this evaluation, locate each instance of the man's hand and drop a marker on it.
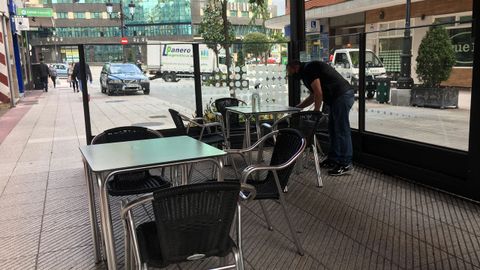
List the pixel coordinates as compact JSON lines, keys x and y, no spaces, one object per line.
{"x":307,"y":102}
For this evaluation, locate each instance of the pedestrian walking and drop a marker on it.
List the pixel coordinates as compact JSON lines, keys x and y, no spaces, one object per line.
{"x":73,"y":78}
{"x":328,"y":86}
{"x":69,"y":75}
{"x":77,"y":75}
{"x":44,"y":73}
{"x":53,"y":75}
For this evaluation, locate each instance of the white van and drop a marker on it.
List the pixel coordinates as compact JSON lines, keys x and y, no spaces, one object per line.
{"x":346,"y":62}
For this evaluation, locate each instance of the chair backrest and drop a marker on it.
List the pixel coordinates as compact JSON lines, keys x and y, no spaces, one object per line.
{"x":195,"y":220}
{"x":221,"y":105}
{"x":178,"y":121}
{"x":127,"y":133}
{"x":307,"y":123}
{"x":289,"y":143}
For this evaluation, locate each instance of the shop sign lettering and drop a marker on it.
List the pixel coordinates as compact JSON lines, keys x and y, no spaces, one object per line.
{"x":463,"y":46}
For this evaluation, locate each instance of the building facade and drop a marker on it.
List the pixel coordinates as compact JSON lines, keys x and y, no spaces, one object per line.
{"x":9,"y":87}
{"x":87,"y":22}
{"x":338,"y":23}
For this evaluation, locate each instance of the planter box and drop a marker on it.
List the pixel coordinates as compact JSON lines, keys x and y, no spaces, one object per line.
{"x":400,"y":97}
{"x":434,"y":97}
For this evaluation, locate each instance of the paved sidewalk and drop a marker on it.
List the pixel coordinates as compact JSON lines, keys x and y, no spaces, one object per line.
{"x":366,"y":220}
{"x":11,"y":116}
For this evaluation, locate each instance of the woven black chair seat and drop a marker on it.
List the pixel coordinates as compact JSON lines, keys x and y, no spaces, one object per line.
{"x":135,"y":183}
{"x":265,"y":190}
{"x":150,"y":247}
{"x":212,"y":138}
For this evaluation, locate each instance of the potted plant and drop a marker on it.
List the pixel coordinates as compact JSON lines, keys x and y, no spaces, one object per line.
{"x":435,"y":60}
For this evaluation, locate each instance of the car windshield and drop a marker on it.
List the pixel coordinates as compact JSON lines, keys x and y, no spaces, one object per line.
{"x":371,"y":60}
{"x":125,"y":69}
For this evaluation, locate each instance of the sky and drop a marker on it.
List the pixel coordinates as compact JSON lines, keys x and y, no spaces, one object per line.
{"x":280,"y":5}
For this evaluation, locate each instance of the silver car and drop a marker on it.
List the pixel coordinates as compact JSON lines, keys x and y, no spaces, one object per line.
{"x":61,"y":69}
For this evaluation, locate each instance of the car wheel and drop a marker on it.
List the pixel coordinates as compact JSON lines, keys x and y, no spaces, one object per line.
{"x":102,"y":88}
{"x":109,"y":92}
{"x":168,"y":77}
{"x":146,"y":92}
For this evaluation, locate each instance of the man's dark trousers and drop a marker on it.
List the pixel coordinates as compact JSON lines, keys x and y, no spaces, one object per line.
{"x":341,"y":150}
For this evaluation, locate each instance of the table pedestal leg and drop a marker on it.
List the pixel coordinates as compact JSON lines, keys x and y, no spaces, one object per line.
{"x":92,"y":211}
{"x":107,"y":224}
{"x":247,"y":138}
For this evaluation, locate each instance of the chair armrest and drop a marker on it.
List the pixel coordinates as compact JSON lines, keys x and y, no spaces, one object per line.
{"x":255,"y":145}
{"x":197,"y":119}
{"x":267,"y":126}
{"x":213,"y":124}
{"x":218,"y":115}
{"x":261,"y":167}
{"x":252,"y":192}
{"x":131,"y":204}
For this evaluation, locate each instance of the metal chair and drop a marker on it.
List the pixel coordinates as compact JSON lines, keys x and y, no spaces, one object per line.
{"x":192,"y":222}
{"x":131,"y":183}
{"x":289,"y":146}
{"x":236,"y":128}
{"x":198,"y":129}
{"x":308,"y":123}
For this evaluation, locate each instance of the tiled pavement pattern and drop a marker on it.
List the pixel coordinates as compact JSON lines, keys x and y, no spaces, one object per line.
{"x":363,"y":221}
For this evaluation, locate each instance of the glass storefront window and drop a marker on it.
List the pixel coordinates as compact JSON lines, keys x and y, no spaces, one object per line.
{"x":436,"y":115}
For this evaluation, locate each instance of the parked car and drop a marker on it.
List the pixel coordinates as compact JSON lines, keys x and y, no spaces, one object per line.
{"x":123,"y":77}
{"x":61,"y":69}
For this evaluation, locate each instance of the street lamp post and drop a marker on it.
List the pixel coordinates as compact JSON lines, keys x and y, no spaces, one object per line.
{"x":405,"y":81}
{"x":122,"y":17}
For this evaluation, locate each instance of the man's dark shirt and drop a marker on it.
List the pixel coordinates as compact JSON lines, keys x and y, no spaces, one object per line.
{"x":76,"y":71}
{"x":333,"y":84}
{"x":44,"y":70}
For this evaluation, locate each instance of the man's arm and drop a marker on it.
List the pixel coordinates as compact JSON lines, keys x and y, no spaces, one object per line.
{"x":317,"y":94}
{"x":307,"y":102}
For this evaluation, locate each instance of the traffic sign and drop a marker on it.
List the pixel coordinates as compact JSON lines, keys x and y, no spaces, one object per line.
{"x":124,"y":41}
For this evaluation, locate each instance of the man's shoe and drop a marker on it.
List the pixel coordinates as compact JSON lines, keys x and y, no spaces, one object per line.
{"x":340,"y":170}
{"x":328,"y":164}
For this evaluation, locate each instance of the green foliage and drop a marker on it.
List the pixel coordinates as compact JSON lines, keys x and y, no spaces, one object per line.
{"x":216,"y":29}
{"x":240,"y":58}
{"x":256,"y":43}
{"x":259,"y":9}
{"x":278,"y":37}
{"x":436,"y":57}
{"x":211,"y":27}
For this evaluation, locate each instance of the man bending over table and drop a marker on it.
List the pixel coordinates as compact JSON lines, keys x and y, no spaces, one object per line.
{"x":327,"y":85}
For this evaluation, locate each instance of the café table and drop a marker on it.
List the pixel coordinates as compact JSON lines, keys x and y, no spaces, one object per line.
{"x":249,"y":113}
{"x":103,"y":161}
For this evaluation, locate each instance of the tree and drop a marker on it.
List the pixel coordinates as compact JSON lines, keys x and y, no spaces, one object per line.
{"x":278,"y":37}
{"x":436,"y":57}
{"x":259,"y":9}
{"x":256,"y":43}
{"x":211,"y":28}
{"x":240,"y":58}
{"x":217,"y":30}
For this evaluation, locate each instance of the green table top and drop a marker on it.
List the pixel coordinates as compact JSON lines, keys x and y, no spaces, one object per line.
{"x":133,"y":154}
{"x":273,"y":108}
